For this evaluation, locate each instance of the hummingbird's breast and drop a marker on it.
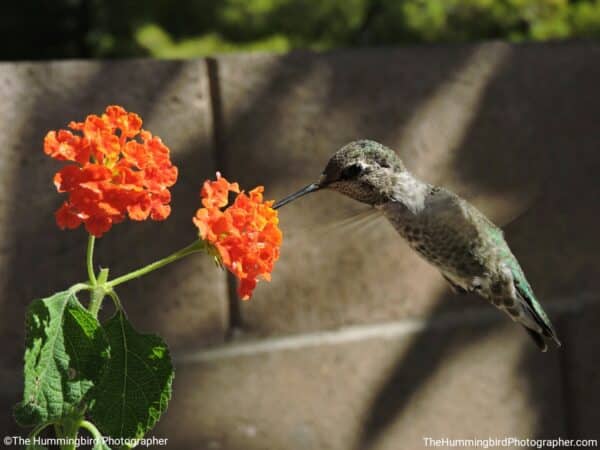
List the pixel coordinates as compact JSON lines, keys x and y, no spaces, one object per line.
{"x":436,"y":239}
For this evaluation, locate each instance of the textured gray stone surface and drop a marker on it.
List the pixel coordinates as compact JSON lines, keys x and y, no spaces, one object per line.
{"x":582,"y":373}
{"x":373,"y":393}
{"x":512,"y":128}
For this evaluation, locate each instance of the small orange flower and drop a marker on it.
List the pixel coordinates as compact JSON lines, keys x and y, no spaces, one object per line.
{"x":120,"y":170}
{"x":245,"y":234}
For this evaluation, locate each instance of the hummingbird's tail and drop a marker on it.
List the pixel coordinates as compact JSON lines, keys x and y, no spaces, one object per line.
{"x":532,"y":315}
{"x":540,"y":339}
{"x":542,"y":329}
{"x":537,"y":338}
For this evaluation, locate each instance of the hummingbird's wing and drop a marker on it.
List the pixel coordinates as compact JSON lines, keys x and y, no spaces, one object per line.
{"x":528,"y":307}
{"x":485,"y":245}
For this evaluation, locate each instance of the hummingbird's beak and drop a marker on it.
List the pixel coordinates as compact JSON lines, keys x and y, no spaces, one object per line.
{"x":305,"y":190}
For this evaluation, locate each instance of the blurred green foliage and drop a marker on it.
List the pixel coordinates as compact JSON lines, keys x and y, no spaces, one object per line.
{"x":38,"y":29}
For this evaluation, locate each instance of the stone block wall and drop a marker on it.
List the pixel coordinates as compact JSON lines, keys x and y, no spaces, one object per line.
{"x":356,"y":343}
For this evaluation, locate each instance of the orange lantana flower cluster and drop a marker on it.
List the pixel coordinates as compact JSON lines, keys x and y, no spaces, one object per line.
{"x":120,"y":170}
{"x":245,"y":234}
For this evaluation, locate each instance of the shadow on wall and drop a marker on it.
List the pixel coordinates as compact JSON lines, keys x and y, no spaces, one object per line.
{"x":284,"y":130}
{"x":512,"y":103}
{"x":545,"y":138}
{"x":256,"y":131}
{"x":544,"y":106}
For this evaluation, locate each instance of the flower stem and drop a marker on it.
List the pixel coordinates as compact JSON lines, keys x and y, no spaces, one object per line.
{"x":96,"y":301}
{"x":80,"y":287}
{"x":194,"y":247}
{"x":37,"y":430}
{"x":116,"y":300}
{"x":68,"y":431}
{"x":90,"y":259}
{"x":98,"y":293}
{"x":92,"y":429}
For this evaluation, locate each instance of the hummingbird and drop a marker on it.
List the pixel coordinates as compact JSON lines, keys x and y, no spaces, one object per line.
{"x":470,"y":252}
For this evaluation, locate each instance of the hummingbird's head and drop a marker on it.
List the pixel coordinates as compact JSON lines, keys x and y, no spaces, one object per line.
{"x":362,"y":170}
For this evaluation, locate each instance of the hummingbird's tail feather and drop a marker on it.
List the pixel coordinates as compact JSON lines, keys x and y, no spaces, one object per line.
{"x":537,"y":322}
{"x":544,"y":330}
{"x":540,"y":329}
{"x":537,"y":338}
{"x":521,"y":312}
{"x":537,"y":325}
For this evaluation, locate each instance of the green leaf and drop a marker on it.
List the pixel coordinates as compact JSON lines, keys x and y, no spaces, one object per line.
{"x":64,"y":358}
{"x":136,"y":387}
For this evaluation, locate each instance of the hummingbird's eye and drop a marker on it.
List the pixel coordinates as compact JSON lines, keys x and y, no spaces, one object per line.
{"x":350,"y":172}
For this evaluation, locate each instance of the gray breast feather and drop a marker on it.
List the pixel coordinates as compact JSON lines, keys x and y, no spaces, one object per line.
{"x":448,"y":232}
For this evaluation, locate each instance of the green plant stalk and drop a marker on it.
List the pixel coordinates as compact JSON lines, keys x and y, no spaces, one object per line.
{"x":58,"y":430}
{"x":37,"y":430}
{"x":92,"y":429}
{"x":116,"y":300}
{"x":96,"y":301}
{"x":99,"y":291}
{"x":80,"y":287}
{"x":71,"y":428}
{"x":196,"y":246}
{"x":66,"y":431}
{"x":90,"y":259}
